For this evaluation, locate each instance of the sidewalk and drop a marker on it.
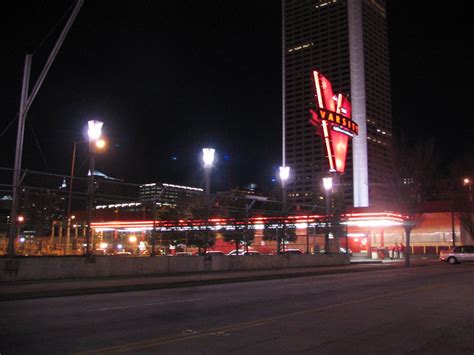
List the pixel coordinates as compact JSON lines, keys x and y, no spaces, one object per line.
{"x":39,"y":289}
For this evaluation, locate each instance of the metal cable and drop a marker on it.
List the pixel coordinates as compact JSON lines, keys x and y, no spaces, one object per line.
{"x":8,"y":126}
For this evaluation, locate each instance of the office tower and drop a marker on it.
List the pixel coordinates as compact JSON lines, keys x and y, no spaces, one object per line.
{"x":346,"y":40}
{"x":168,"y":193}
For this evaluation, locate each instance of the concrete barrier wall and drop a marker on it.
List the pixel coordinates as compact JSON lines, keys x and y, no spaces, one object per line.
{"x":53,"y":268}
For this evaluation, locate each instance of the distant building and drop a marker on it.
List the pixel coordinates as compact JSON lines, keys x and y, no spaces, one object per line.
{"x":347,"y":42}
{"x":245,"y":193}
{"x":167,"y":193}
{"x":160,"y":193}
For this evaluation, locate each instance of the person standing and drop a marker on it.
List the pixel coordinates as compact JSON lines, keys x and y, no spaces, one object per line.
{"x":402,"y":250}
{"x":394,"y":251}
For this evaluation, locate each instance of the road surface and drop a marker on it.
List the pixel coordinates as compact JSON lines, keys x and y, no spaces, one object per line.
{"x":423,"y":310}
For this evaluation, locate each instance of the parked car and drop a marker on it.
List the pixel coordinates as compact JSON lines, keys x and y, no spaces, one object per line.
{"x":341,"y":250}
{"x":243,"y":252}
{"x":99,"y":252}
{"x":122,"y":253}
{"x":292,"y":251}
{"x":183,"y":253}
{"x":215,"y":252}
{"x":457,"y":254}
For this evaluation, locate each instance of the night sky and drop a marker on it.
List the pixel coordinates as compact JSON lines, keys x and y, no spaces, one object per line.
{"x":168,"y":78}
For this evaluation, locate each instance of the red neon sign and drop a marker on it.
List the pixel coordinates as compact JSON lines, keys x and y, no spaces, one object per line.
{"x":332,"y":120}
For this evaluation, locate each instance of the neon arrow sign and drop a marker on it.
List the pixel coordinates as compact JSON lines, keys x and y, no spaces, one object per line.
{"x":332,"y":120}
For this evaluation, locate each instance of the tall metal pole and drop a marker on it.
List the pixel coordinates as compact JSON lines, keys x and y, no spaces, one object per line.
{"x":206,"y":202}
{"x":69,"y":199}
{"x":25,"y":103}
{"x":71,"y":180}
{"x":283,"y":84}
{"x":285,"y":232}
{"x":453,"y":226}
{"x":326,"y":237}
{"x":153,"y":232}
{"x":282,"y":235}
{"x":307,"y":234}
{"x":90,"y":195}
{"x":247,"y":209}
{"x":18,"y":156}
{"x":53,"y":54}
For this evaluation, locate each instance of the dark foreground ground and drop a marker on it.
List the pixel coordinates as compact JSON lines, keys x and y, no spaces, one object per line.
{"x":425,"y":310}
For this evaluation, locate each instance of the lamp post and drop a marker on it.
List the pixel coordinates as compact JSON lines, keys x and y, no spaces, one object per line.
{"x":208,"y":159}
{"x":467,"y":182}
{"x":94,"y":132}
{"x":327,"y":183}
{"x":99,"y":144}
{"x":284,"y":175}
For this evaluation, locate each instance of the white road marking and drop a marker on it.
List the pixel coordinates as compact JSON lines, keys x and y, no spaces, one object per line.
{"x":143,"y":305}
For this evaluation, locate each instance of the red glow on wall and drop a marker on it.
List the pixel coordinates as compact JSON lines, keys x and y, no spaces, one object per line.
{"x":255,"y":221}
{"x":332,"y":120}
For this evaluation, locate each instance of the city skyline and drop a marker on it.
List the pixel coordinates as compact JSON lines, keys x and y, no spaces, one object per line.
{"x":166,"y":83}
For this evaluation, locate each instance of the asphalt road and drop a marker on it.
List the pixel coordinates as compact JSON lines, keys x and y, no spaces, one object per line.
{"x":426,"y":310}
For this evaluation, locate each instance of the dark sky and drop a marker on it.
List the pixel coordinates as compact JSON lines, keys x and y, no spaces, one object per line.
{"x":168,"y":78}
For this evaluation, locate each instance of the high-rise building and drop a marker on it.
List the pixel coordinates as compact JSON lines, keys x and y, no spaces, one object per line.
{"x":345,"y":40}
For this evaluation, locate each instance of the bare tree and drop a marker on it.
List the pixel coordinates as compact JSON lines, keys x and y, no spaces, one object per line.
{"x":414,"y":168}
{"x":280,"y":231}
{"x":168,"y":217}
{"x":461,"y":178}
{"x":238,"y":232}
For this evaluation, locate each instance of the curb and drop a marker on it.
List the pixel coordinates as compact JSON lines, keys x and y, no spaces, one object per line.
{"x":186,"y":283}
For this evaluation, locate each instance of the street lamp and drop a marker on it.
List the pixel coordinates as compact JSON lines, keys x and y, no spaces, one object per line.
{"x":327,"y":183}
{"x":99,"y":144}
{"x":94,"y":132}
{"x":284,"y":175}
{"x":467,"y":182}
{"x":208,"y":159}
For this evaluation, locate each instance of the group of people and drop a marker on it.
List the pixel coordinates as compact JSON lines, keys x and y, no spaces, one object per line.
{"x":397,"y":251}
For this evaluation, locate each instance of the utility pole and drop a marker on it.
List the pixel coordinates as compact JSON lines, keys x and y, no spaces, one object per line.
{"x":248,"y":207}
{"x":25,"y":104}
{"x":90,"y":197}
{"x":18,"y":156}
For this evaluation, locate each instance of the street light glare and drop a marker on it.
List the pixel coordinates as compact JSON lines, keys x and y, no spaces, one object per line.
{"x":100,"y":144}
{"x":95,"y":129}
{"x":208,"y":156}
{"x":466,"y":181}
{"x":327,"y":182}
{"x":284,"y":173}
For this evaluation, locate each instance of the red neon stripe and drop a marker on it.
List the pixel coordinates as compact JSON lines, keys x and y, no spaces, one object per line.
{"x":339,"y":103}
{"x":328,"y":145}
{"x":318,"y":89}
